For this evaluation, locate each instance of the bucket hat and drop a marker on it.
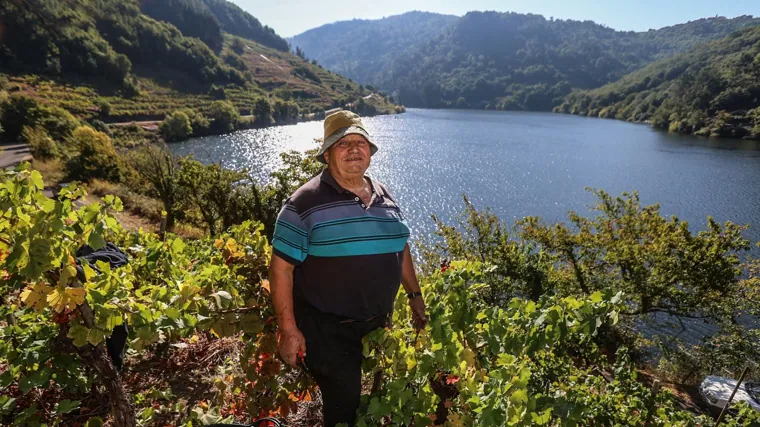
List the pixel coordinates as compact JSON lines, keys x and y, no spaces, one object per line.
{"x":339,"y":124}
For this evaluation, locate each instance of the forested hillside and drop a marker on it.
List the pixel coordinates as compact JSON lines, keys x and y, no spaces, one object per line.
{"x":363,"y":49}
{"x":511,"y":61}
{"x":238,"y":22}
{"x":206,"y":19}
{"x":109,"y":60}
{"x":712,"y":90}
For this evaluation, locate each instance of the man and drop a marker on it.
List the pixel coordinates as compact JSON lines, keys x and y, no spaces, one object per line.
{"x":340,"y":251}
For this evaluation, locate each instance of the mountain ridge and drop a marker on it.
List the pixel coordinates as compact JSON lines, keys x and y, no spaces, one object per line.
{"x":514,"y":61}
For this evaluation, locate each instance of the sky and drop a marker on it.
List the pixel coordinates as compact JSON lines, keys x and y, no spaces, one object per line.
{"x":292,"y":17}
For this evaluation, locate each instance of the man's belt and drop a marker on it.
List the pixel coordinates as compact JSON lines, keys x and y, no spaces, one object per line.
{"x":350,"y":320}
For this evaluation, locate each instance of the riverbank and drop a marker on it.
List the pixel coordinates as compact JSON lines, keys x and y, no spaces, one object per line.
{"x":725,"y":125}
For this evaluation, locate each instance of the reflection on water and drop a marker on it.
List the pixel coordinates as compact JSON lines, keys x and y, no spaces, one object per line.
{"x":521,"y":164}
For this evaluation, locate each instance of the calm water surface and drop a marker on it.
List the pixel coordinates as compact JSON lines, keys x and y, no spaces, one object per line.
{"x":521,"y":164}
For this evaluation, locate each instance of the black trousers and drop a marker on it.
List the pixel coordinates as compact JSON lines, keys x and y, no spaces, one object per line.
{"x":334,"y":358}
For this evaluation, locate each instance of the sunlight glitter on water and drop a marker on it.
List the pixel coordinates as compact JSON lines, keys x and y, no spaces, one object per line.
{"x":523,"y":164}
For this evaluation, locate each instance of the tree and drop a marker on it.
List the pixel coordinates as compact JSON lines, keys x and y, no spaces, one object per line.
{"x":210,"y":188}
{"x":40,"y":143}
{"x":262,"y":111}
{"x":224,"y":116}
{"x":285,"y":111}
{"x":176,"y":127}
{"x":158,"y":166}
{"x":237,"y":46}
{"x":95,"y":158}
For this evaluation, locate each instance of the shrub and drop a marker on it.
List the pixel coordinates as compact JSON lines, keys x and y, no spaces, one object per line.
{"x":40,"y":143}
{"x":238,"y":46}
{"x":218,"y":92}
{"x":235,"y":61}
{"x":176,"y":127}
{"x":16,"y":113}
{"x":210,"y":188}
{"x":58,"y":122}
{"x":100,"y":126}
{"x":96,"y":157}
{"x":138,"y":204}
{"x":224,"y":116}
{"x":201,"y":124}
{"x":307,"y":74}
{"x":285,"y":111}
{"x":755,"y":115}
{"x":19,"y":111}
{"x":104,"y":107}
{"x":262,"y":110}
{"x":158,"y":167}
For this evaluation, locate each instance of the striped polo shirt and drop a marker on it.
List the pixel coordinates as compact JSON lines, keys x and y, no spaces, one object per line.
{"x":347,"y":255}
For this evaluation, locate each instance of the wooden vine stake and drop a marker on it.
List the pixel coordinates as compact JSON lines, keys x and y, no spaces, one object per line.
{"x":653,"y":399}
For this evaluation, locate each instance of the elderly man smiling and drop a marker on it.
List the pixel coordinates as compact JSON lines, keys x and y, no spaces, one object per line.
{"x":340,"y":252}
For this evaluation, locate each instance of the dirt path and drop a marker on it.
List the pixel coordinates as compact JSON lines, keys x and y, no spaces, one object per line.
{"x":13,"y":154}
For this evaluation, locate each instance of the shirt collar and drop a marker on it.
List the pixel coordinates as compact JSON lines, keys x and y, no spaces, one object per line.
{"x":327,"y":178}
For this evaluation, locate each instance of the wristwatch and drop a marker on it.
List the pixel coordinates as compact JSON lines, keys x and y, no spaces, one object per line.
{"x":413,"y":295}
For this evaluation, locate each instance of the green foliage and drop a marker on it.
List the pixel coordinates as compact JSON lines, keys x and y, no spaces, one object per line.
{"x":262,"y":111}
{"x":192,"y":17}
{"x":176,"y":127}
{"x":755,"y":114}
{"x":360,"y":49}
{"x":496,"y":60}
{"x":160,"y":169}
{"x":520,"y":362}
{"x":40,"y":143}
{"x":19,"y":111}
{"x":661,"y":267}
{"x":712,"y":89}
{"x":169,"y":290}
{"x":104,"y":107}
{"x":237,"y":46}
{"x":238,"y":22}
{"x":285,"y":111}
{"x":95,"y":156}
{"x":224,"y":116}
{"x":306,"y":73}
{"x":235,"y":61}
{"x":106,"y":38}
{"x":210,"y":188}
{"x":58,"y":39}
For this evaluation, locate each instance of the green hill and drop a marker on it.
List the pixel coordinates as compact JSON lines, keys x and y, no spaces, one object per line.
{"x":109,"y":60}
{"x":503,"y":60}
{"x":238,"y":22}
{"x":363,"y":49}
{"x":713,"y":89}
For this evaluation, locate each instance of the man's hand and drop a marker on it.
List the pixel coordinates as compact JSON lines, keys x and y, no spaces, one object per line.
{"x":291,"y":345}
{"x":419,"y":318}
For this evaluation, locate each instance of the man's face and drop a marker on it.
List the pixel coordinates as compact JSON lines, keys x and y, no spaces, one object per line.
{"x":350,"y":155}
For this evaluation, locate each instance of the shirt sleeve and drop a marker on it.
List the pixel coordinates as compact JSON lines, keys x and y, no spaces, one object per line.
{"x":291,"y":238}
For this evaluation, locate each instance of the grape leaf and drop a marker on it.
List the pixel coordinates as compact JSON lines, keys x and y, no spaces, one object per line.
{"x":36,"y":296}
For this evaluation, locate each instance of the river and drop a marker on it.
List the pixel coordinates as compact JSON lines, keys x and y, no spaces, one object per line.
{"x":524,"y":163}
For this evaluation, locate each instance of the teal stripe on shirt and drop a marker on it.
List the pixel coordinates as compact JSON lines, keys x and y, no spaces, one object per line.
{"x":293,"y":252}
{"x":362,"y":247}
{"x":366,"y":226}
{"x":293,"y":236}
